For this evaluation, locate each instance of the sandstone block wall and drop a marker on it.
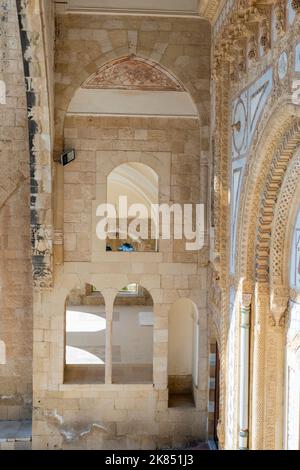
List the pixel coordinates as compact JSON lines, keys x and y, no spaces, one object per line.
{"x":171,"y":147}
{"x":15,"y":247}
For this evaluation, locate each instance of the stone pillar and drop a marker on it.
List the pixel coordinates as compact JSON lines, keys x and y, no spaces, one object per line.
{"x":244,"y":371}
{"x":260,"y":313}
{"x":108,"y":345}
{"x":274,"y":370}
{"x":58,"y":241}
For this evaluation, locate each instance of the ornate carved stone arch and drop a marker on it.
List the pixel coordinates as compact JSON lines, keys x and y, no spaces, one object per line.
{"x":267,"y":164}
{"x":281,"y":227}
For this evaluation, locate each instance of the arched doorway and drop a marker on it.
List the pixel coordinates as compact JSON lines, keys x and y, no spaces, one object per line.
{"x":183,"y":347}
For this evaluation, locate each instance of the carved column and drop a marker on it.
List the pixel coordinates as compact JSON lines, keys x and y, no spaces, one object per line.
{"x":260,"y":313}
{"x":244,"y":371}
{"x":274,"y":370}
{"x":221,"y":161}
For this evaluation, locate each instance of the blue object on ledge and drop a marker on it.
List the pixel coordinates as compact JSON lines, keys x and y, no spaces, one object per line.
{"x":127,"y":247}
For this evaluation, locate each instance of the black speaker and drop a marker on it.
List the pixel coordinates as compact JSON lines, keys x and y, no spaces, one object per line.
{"x":67,"y":157}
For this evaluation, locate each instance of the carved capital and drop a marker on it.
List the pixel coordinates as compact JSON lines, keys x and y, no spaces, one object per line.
{"x":246,"y":299}
{"x":58,"y":237}
{"x":246,"y":289}
{"x":278,"y":304}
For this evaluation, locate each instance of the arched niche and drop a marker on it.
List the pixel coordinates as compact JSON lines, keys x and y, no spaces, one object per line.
{"x":85,"y":336}
{"x":132,"y":85}
{"x":183,"y":351}
{"x":132,"y":337}
{"x":139,"y":185}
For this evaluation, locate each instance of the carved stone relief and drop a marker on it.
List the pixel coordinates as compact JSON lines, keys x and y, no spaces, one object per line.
{"x":133,"y":73}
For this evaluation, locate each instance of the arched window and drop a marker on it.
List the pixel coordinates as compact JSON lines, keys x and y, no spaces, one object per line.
{"x":85,"y":336}
{"x":132,"y":339}
{"x":137,"y":185}
{"x":183,"y":351}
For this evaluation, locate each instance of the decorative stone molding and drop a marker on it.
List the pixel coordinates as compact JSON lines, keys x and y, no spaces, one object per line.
{"x":280,"y":240}
{"x":279,"y":15}
{"x":252,"y":49}
{"x":282,"y":140}
{"x":268,"y":203}
{"x":40,"y":158}
{"x":264,"y":40}
{"x":296,"y":5}
{"x":252,"y":22}
{"x":209,"y":9}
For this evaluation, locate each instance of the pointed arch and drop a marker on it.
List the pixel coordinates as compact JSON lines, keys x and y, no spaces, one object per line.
{"x":267,"y":164}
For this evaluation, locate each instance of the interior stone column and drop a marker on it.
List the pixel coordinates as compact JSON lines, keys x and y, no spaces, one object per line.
{"x":244,"y":371}
{"x":108,"y":345}
{"x":260,"y":314}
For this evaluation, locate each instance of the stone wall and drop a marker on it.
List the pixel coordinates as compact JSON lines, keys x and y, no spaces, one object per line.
{"x":84,"y":43}
{"x":15,"y":247}
{"x":170,"y":146}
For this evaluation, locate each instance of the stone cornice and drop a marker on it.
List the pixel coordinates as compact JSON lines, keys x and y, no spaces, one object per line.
{"x":210,"y":8}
